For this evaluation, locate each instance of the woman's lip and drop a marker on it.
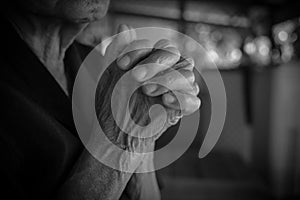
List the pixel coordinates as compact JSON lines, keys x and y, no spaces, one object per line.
{"x":83,"y":20}
{"x":87,"y":19}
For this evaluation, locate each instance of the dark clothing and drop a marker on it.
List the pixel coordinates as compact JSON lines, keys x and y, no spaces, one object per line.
{"x":38,"y":140}
{"x":41,"y":154}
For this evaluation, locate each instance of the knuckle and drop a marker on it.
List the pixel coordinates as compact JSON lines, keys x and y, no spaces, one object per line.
{"x":138,"y":54}
{"x":198,"y":103}
{"x":173,"y":51}
{"x":186,"y":79}
{"x":167,"y":56}
{"x":163,"y":43}
{"x":189,"y":76}
{"x":189,"y":59}
{"x":143,"y":44}
{"x":184,"y":64}
{"x":191,"y":104}
{"x":187,"y":100}
{"x":160,"y":90}
{"x":160,"y":57}
{"x":196,"y":88}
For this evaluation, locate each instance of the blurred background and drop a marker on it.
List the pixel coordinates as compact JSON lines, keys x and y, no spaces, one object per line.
{"x":256,"y":46}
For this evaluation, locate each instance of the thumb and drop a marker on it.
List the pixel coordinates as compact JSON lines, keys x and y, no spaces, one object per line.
{"x":125,"y":36}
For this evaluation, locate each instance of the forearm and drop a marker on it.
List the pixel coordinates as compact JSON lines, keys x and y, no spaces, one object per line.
{"x":143,"y":186}
{"x":90,"y":179}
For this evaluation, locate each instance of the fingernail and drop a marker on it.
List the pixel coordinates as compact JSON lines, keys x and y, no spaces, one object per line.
{"x":151,"y":88}
{"x":170,"y":98}
{"x":124,"y":62}
{"x":139,"y":73}
{"x":122,"y":28}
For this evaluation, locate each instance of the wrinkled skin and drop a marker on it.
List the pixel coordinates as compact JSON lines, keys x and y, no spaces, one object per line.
{"x":140,"y":101}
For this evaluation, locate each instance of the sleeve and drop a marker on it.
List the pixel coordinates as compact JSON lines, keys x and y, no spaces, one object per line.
{"x":9,"y":183}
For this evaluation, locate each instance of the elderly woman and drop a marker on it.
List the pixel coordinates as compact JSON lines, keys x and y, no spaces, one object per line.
{"x":42,"y":156}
